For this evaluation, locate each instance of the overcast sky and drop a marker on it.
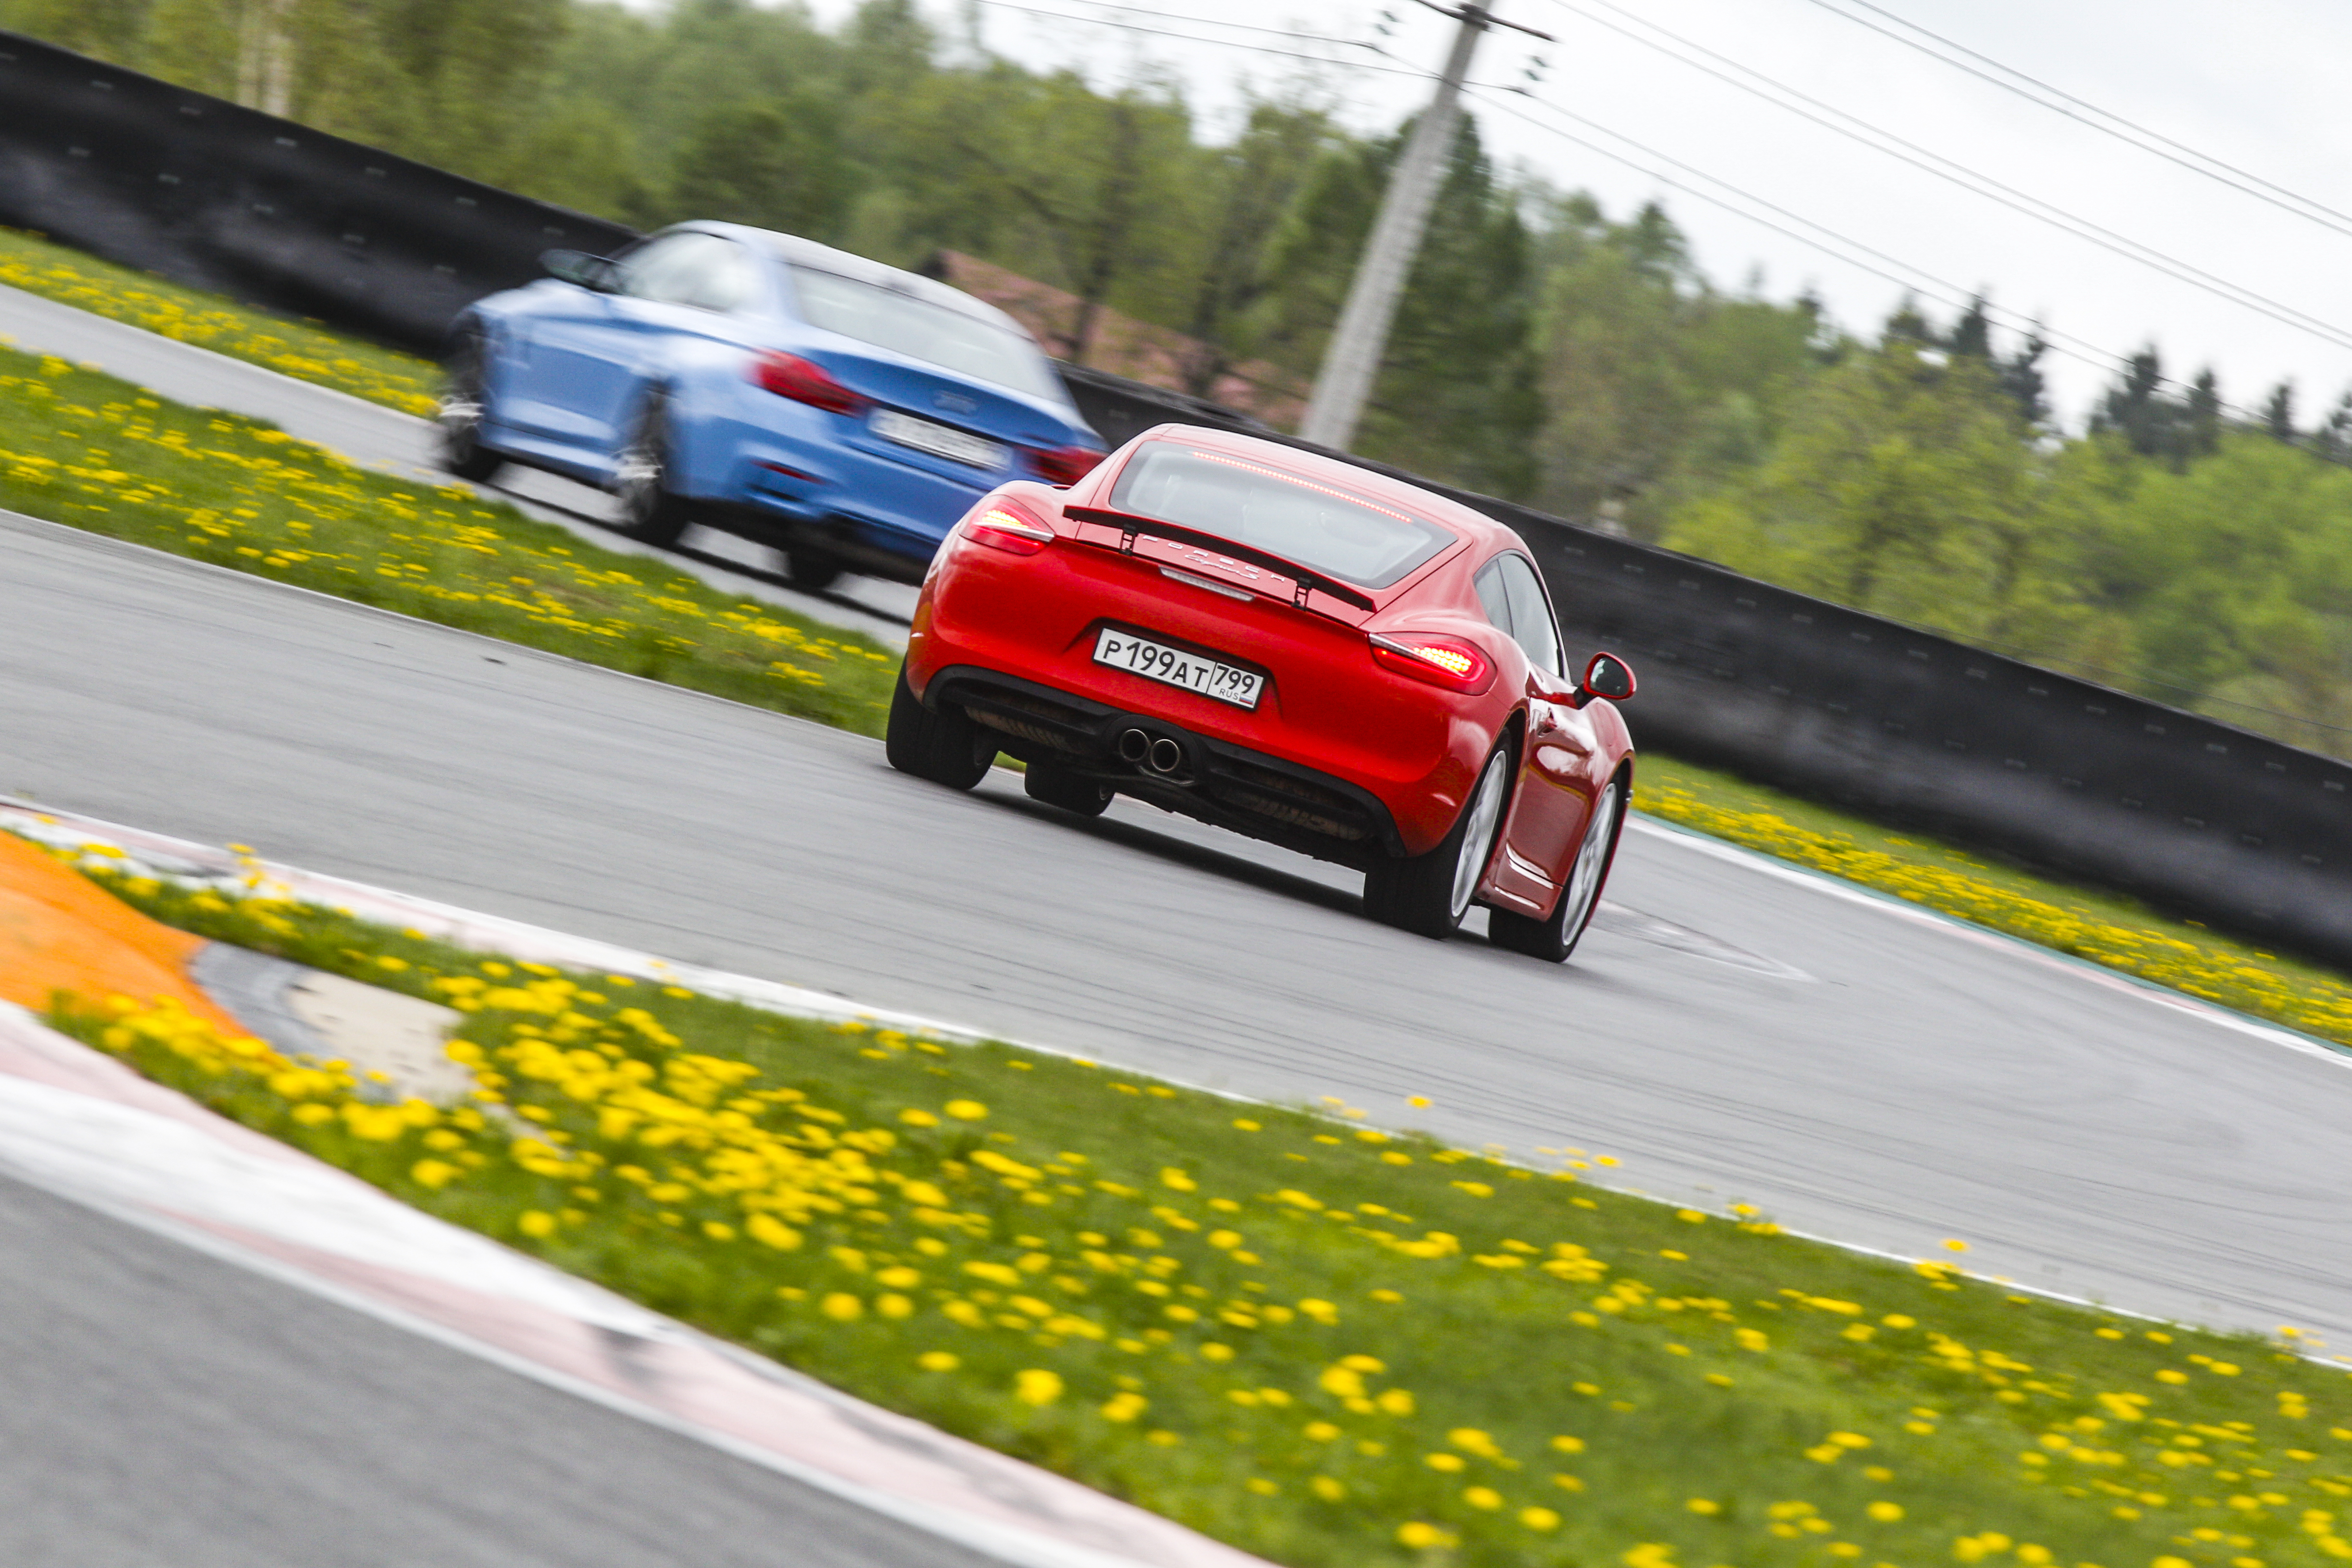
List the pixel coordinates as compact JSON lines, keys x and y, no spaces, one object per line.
{"x":2258,"y":84}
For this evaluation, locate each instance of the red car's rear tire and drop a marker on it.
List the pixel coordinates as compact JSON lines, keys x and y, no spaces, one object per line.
{"x":1052,"y":785}
{"x":1429,"y":894}
{"x":942,"y":745}
{"x":1553,"y":939}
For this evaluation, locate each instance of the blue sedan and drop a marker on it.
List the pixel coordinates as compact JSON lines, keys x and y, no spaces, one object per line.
{"x":844,"y":412}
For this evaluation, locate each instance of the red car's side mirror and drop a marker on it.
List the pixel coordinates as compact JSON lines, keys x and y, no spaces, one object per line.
{"x":1608,"y":676}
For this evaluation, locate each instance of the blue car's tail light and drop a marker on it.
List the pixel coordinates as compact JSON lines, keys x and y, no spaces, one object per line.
{"x":1064,"y":466}
{"x":803,"y":381}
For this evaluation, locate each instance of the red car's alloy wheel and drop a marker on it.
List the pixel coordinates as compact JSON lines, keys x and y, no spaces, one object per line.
{"x":1554,"y":939}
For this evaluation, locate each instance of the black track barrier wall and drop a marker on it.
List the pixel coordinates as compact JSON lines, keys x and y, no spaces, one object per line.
{"x":268,"y":212}
{"x":2195,"y":816}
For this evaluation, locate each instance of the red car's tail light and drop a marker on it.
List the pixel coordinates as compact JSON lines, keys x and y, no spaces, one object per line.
{"x":1446,"y":661}
{"x":803,"y":381}
{"x":1009,"y":526}
{"x":1064,"y":466}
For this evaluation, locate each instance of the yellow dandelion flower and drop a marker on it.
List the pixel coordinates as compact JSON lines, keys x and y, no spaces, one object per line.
{"x":435,"y":1174}
{"x":1036,"y":1386}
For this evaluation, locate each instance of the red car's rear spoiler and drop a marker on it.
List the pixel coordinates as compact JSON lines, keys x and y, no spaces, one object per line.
{"x":1131,"y":524}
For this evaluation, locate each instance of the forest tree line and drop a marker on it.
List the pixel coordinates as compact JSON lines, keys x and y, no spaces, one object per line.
{"x":1545,"y":350}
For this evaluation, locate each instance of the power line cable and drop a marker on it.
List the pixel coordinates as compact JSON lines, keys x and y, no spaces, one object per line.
{"x":2228,"y":169}
{"x":1290,"y":33}
{"x":1910,"y":277}
{"x":1975,"y":183}
{"x":1220,"y":43}
{"x":1905,"y":275}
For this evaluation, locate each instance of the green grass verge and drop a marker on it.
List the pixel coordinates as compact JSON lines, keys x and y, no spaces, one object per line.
{"x":302,"y":350}
{"x":82,"y":448}
{"x":425,"y":553}
{"x":1326,"y":1343}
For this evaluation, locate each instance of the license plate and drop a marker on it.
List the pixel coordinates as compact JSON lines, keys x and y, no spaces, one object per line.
{"x":1157,"y":661}
{"x":939,"y":440}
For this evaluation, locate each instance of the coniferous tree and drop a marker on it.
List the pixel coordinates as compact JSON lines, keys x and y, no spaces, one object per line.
{"x":2020,"y":376}
{"x":1972,"y":334}
{"x":2333,"y":439}
{"x":1907,"y":325}
{"x":2203,"y":436}
{"x":2139,"y":409}
{"x":2278,"y":414}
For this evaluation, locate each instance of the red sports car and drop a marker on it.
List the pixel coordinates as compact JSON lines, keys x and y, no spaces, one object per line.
{"x":1291,"y":648}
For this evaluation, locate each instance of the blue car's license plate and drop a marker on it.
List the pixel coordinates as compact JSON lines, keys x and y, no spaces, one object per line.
{"x":939,"y":440}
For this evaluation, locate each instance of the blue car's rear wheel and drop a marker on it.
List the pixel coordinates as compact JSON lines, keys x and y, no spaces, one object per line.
{"x":811,"y":569}
{"x":458,"y":439}
{"x":651,"y":513}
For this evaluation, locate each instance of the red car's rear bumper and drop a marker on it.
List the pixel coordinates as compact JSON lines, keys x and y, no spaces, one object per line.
{"x":1340,"y":759}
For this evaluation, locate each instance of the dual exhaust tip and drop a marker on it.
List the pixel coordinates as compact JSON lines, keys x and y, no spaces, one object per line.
{"x":1159,"y":753}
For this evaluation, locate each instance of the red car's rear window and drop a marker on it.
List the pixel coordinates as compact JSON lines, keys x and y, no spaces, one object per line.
{"x":1354,"y":539}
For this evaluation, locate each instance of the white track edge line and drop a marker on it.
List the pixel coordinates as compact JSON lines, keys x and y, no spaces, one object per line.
{"x":2150,"y":991}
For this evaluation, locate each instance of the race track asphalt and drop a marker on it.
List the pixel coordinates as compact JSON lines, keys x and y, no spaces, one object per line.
{"x":160,"y":1408}
{"x":1912,"y":1081}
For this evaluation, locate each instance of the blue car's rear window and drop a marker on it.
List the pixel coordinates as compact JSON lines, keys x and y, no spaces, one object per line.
{"x":1354,"y":539}
{"x":949,"y":339}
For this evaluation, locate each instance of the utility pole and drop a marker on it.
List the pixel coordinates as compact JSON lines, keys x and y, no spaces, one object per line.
{"x":1352,"y":359}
